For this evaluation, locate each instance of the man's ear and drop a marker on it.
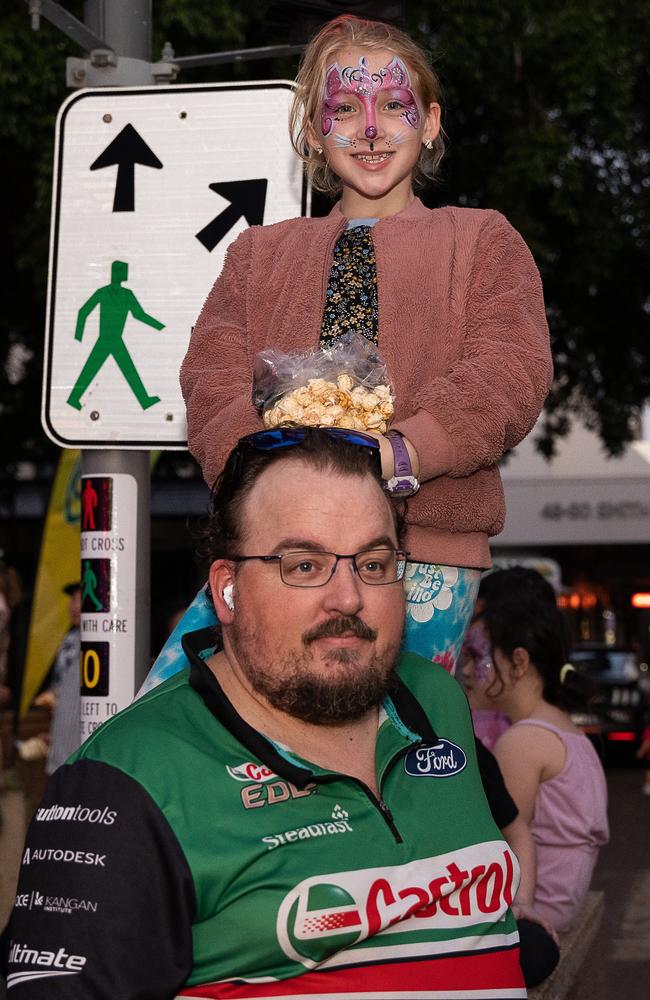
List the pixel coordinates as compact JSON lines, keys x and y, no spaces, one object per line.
{"x":222,"y":580}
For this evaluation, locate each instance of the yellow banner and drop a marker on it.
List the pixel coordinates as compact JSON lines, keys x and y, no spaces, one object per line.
{"x":59,"y":564}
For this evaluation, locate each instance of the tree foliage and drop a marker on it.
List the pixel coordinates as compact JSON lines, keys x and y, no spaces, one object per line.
{"x":547,"y":118}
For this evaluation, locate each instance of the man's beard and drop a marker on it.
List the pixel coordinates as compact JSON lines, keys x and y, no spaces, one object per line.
{"x":292,"y":686}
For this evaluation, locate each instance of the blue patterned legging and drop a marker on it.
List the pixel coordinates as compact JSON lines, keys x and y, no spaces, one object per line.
{"x":439,"y":605}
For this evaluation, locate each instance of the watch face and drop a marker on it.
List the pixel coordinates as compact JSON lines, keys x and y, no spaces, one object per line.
{"x":405,"y":486}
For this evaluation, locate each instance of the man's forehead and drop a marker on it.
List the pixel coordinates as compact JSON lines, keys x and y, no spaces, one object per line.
{"x":293,"y":500}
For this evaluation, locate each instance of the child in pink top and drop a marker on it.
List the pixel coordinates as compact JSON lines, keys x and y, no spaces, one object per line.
{"x":550,"y":768}
{"x":569,"y":821}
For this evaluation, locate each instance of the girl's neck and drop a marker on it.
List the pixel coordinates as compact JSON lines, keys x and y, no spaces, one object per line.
{"x":355,"y":205}
{"x":525,"y":702}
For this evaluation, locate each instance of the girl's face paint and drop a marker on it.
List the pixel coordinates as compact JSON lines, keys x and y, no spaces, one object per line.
{"x":477,"y":648}
{"x":391,"y":85}
{"x":372,"y":124}
{"x":477,"y":672}
{"x":397,"y":138}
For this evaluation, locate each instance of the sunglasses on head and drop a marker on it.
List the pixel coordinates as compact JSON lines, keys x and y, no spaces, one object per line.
{"x":285,"y":437}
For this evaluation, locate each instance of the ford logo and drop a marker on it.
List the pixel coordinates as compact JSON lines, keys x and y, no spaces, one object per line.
{"x":435,"y":760}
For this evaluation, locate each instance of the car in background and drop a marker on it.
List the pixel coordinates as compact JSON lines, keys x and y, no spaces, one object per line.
{"x":615,"y":716}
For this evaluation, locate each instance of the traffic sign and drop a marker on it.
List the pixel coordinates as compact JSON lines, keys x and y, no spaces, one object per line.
{"x":151,"y":186}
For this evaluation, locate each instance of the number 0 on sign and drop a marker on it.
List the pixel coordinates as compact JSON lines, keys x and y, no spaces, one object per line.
{"x":151,"y":186}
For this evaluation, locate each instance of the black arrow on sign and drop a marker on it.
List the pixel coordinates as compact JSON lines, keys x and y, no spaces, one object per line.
{"x":246,"y":198}
{"x":126,"y":149}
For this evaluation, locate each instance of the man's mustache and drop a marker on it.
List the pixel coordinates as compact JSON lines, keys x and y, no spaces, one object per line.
{"x":335,"y":627}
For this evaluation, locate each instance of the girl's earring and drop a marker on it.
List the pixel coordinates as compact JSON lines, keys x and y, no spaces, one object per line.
{"x":428,"y":143}
{"x":319,"y":149}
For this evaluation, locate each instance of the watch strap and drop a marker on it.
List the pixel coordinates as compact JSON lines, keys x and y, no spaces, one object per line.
{"x":403,"y":482}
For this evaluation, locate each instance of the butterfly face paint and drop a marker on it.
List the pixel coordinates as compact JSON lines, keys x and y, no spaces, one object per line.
{"x":478,"y":646}
{"x":391,"y":81}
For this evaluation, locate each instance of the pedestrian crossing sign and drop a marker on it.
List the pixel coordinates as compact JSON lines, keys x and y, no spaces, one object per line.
{"x":151,"y":185}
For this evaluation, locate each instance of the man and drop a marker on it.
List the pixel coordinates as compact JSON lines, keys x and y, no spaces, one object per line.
{"x":302,"y":804}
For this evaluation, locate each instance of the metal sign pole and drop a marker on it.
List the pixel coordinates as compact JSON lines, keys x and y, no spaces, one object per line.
{"x":152,"y":183}
{"x":116,"y":491}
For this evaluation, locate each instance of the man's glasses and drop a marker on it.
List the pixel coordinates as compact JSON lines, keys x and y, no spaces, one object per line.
{"x":313,"y":568}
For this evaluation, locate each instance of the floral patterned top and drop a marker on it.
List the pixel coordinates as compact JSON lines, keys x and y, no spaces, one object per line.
{"x":351,"y":296}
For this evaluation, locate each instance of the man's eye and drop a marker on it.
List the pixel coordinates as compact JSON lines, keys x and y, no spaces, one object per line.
{"x":376,"y":565}
{"x":303,"y":566}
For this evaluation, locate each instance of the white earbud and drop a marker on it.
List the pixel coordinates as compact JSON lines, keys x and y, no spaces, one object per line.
{"x":228,"y":598}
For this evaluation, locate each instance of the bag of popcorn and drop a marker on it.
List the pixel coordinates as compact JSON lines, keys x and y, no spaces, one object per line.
{"x":346,"y":385}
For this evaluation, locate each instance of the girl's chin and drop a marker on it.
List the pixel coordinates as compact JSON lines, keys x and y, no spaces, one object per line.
{"x":378,"y":187}
{"x":478,"y":704}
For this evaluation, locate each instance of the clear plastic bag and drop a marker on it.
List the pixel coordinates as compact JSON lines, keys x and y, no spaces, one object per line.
{"x":346,"y":385}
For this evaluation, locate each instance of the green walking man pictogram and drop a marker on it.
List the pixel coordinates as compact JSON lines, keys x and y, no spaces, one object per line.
{"x":89,"y":585}
{"x":115,"y":303}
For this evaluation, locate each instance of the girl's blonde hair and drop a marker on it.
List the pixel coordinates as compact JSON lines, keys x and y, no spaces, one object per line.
{"x":344,"y":32}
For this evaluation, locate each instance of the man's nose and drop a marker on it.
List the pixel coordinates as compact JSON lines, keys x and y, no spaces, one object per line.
{"x":344,"y":592}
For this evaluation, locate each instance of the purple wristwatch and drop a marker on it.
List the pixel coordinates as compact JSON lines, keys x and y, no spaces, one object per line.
{"x":403,"y":483}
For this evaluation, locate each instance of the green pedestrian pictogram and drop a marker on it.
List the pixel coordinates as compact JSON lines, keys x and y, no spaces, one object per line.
{"x":89,"y":585}
{"x":115,"y":303}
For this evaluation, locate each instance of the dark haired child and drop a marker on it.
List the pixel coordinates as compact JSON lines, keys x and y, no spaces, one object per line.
{"x":550,"y":768}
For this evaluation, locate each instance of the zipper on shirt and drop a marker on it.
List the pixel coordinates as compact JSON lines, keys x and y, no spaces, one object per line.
{"x":383,"y":809}
{"x":383,"y":806}
{"x":388,"y":816}
{"x":379,"y":804}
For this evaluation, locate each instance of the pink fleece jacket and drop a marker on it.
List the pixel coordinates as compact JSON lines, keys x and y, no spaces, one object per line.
{"x":462,"y":329}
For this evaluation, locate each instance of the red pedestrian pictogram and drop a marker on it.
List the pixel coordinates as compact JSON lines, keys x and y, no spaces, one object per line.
{"x":89,"y":500}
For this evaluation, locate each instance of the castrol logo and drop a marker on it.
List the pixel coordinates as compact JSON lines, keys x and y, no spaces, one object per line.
{"x":250,"y":772}
{"x":326,"y":914}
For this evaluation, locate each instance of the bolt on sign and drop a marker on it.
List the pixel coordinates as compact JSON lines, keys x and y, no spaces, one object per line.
{"x":151,"y":185}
